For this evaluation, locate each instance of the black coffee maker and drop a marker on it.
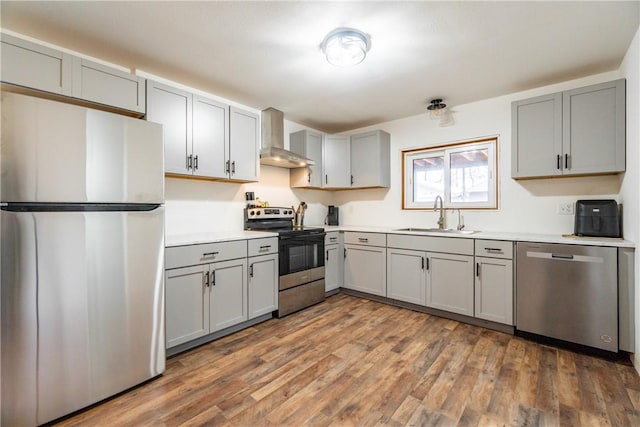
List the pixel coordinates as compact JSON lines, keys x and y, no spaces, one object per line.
{"x":332,"y":216}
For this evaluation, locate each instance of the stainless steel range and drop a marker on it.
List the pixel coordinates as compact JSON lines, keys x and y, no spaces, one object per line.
{"x":301,"y":257}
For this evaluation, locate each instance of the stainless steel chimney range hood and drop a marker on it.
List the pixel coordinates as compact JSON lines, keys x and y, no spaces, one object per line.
{"x":273,"y":152}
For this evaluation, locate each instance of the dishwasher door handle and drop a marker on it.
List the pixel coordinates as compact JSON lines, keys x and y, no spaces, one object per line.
{"x":565,"y":257}
{"x":561,"y":256}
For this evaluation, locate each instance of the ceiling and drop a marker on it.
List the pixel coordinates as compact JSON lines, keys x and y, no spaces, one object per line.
{"x":266,"y":54}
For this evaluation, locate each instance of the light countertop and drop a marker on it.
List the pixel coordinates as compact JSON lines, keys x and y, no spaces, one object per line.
{"x":494,"y":235}
{"x":224,"y":236}
{"x":213,"y":237}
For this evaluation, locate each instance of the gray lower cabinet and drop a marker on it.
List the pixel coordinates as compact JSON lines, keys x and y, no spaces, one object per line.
{"x":576,"y":132}
{"x":450,"y":283}
{"x":33,"y":66}
{"x":333,"y":261}
{"x":365,"y":262}
{"x":187,"y":304}
{"x":494,"y":281}
{"x":263,"y":284}
{"x":406,"y":278}
{"x":228,"y":295}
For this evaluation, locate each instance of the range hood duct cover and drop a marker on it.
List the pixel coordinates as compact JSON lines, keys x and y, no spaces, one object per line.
{"x":273,"y":152}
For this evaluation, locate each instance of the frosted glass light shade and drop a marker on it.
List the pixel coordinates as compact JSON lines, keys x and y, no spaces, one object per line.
{"x":345,"y":47}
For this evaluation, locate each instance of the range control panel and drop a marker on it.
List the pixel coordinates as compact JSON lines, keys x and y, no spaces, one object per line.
{"x":269,"y":213}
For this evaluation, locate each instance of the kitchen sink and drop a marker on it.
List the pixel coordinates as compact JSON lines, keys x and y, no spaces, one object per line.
{"x":437,"y":230}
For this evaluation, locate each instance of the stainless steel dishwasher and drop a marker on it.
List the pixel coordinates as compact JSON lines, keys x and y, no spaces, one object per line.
{"x":568,"y":292}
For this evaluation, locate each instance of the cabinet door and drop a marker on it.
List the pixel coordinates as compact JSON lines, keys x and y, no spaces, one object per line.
{"x":31,"y":65}
{"x":333,"y":267}
{"x":365,"y":269}
{"x":370,"y":159}
{"x":210,"y":137}
{"x":494,"y":290}
{"x":228,"y":294}
{"x":172,"y":109}
{"x":308,"y":144}
{"x":244,"y":147}
{"x":536,"y":139}
{"x":450,"y":283}
{"x":406,"y":275}
{"x":336,"y":161}
{"x":263,"y":285}
{"x":594,"y":129}
{"x":187,"y":304}
{"x":98,"y":83}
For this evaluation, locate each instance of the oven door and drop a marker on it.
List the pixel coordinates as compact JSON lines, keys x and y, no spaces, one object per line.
{"x":301,"y":251}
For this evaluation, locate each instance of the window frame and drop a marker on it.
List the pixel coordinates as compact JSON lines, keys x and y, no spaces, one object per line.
{"x":445,"y":150}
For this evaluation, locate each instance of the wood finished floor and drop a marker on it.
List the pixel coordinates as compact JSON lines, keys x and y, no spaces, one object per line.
{"x":349,"y":361}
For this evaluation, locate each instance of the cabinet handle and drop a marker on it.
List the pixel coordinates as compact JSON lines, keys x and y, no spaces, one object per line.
{"x":422,"y":258}
{"x":558,"y":162}
{"x":493,"y":250}
{"x":309,"y":177}
{"x":363,"y":240}
{"x":566,"y":161}
{"x":427,"y":263}
{"x":251,"y":270}
{"x":351,"y":179}
{"x":206,"y":279}
{"x":477,"y":269}
{"x":327,"y":258}
{"x":226,"y":166}
{"x":189,"y":161}
{"x":195,"y":162}
{"x":206,"y":254}
{"x":326,"y":179}
{"x":264,"y":247}
{"x":233,"y":167}
{"x":345,"y":252}
{"x":213,"y":278}
{"x":333,"y":239}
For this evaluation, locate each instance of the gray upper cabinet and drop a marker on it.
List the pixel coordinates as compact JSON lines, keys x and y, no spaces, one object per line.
{"x":172,"y":108}
{"x":536,"y":136}
{"x":244,"y":146}
{"x":210,"y":137}
{"x":33,"y":66}
{"x":370,"y":159}
{"x":98,"y":83}
{"x":593,"y":132}
{"x":336,"y":161}
{"x":576,"y":132}
{"x":308,"y":144}
{"x":203,"y":137}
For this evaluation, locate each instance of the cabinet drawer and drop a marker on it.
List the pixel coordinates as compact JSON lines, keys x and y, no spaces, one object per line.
{"x":181,"y":256}
{"x":264,"y":246}
{"x":370,"y":239}
{"x":332,"y":238}
{"x":494,"y":249}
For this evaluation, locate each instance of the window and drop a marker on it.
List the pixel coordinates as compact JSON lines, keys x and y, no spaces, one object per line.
{"x":464,"y":175}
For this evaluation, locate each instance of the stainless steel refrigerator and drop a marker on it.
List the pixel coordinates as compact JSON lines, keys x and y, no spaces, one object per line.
{"x":82,"y":228}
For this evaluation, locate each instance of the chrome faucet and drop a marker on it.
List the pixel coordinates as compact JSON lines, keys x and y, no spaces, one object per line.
{"x":441,"y":219}
{"x":460,"y":221}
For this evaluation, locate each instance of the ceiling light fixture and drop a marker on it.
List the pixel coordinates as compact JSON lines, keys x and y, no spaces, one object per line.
{"x":345,"y":47}
{"x":436,"y":108}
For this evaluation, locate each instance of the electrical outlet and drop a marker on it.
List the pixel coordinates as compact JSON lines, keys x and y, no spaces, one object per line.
{"x":565,"y":208}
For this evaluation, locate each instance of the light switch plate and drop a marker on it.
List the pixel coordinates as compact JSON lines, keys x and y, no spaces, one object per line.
{"x":565,"y":208}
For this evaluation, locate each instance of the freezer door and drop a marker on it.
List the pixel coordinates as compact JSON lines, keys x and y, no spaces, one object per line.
{"x":56,"y":152}
{"x":91,"y":308}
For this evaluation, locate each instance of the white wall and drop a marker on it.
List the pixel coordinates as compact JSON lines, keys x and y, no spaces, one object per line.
{"x":524,"y":206}
{"x":629,"y":194}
